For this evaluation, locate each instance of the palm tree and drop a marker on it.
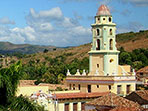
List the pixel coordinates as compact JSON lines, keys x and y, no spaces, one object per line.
{"x":9,"y":80}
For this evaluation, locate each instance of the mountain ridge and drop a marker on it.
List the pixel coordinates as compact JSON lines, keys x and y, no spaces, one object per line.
{"x":129,"y":41}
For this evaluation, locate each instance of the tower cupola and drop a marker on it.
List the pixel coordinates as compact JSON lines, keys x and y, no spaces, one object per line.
{"x":103,"y":10}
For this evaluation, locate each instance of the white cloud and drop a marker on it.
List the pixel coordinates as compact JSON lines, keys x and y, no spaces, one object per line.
{"x":6,"y":20}
{"x":130,"y":26}
{"x":49,"y":27}
{"x":137,"y":2}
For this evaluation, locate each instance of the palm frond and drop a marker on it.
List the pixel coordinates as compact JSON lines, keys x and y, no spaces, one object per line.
{"x":22,"y":103}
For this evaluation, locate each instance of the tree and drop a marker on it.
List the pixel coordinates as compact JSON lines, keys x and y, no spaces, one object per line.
{"x":9,"y":79}
{"x":45,"y":51}
{"x":125,"y":58}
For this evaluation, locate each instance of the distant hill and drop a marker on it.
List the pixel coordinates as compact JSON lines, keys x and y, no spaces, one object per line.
{"x":129,"y":41}
{"x":7,"y":47}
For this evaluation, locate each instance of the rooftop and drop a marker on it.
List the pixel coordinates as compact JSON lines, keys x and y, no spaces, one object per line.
{"x":79,"y":95}
{"x":143,"y":70}
{"x":103,"y":10}
{"x":115,"y":103}
{"x":141,"y":96}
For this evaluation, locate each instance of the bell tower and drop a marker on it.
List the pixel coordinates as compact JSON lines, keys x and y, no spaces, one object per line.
{"x":103,"y":57}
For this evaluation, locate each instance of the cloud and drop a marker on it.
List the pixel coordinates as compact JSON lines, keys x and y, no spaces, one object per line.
{"x":137,"y":2}
{"x":6,"y":20}
{"x":130,"y":26}
{"x":48,"y":27}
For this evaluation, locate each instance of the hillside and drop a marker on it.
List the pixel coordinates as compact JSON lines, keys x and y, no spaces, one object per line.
{"x":129,"y":41}
{"x":7,"y":47}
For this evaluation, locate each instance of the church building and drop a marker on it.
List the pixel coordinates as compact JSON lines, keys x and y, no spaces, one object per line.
{"x":105,"y":73}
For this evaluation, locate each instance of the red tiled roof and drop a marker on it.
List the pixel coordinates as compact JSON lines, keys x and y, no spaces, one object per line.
{"x":116,"y":102}
{"x":126,"y":109}
{"x":144,"y":70}
{"x":27,"y":82}
{"x":79,"y":95}
{"x":143,"y":94}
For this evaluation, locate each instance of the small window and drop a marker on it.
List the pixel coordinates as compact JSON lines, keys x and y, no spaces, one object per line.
{"x":82,"y":106}
{"x":69,"y":86}
{"x":97,"y":65}
{"x":98,"y":44}
{"x":97,"y":86}
{"x":66,"y":107}
{"x":103,"y":18}
{"x":110,"y":19}
{"x":110,"y":32}
{"x":119,"y":89}
{"x":128,"y":89}
{"x":79,"y":87}
{"x":73,"y":86}
{"x":75,"y":107}
{"x":111,"y":60}
{"x":98,"y":32}
{"x":99,"y":19}
{"x":109,"y":87}
{"x":111,"y":44}
{"x":89,"y":88}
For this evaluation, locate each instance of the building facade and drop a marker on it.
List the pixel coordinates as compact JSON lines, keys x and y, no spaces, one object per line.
{"x":105,"y":73}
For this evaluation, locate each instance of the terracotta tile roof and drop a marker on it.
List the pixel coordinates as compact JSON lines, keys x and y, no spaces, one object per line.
{"x":144,"y":70}
{"x":126,"y":109}
{"x":116,"y":102}
{"x":79,"y":95}
{"x":143,"y":94}
{"x":26,"y":82}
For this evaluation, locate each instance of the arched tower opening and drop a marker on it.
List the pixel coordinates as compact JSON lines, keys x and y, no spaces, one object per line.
{"x":98,"y":32}
{"x":111,"y":44}
{"x":98,"y":44}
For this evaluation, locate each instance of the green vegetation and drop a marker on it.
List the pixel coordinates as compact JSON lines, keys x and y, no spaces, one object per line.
{"x":52,"y":70}
{"x":138,"y":58}
{"x":124,"y":37}
{"x":9,"y":79}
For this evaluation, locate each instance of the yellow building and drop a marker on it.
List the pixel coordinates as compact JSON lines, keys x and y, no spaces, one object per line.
{"x":105,"y":72}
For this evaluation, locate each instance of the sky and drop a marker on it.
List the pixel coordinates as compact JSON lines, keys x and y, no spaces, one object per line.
{"x":65,"y":23}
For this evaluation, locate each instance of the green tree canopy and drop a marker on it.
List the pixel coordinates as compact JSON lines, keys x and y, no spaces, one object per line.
{"x":9,"y":79}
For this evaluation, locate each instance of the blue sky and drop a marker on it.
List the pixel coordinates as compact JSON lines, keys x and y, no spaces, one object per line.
{"x":65,"y":22}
